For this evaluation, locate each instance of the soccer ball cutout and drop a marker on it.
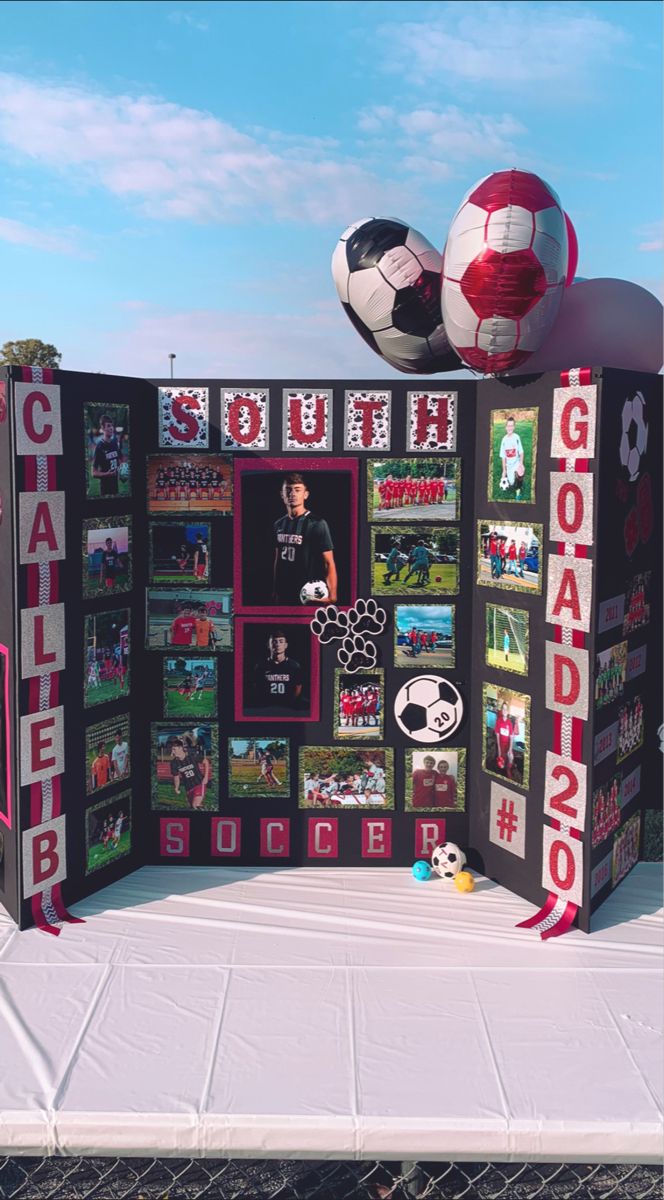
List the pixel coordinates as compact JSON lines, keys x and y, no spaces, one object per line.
{"x":314,"y":592}
{"x":634,"y":438}
{"x":387,"y":277}
{"x":447,"y":860}
{"x":428,"y":709}
{"x":504,"y":270}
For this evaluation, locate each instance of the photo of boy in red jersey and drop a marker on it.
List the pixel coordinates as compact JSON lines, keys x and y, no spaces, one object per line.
{"x":436,"y":780}
{"x":412,"y":489}
{"x":358,"y":705}
{"x":506,"y":734}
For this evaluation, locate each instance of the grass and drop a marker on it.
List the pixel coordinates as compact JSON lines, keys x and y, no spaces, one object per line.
{"x":100,"y":856}
{"x":443,"y":579}
{"x":525,"y":432}
{"x":179,"y":706}
{"x":107,"y":690}
{"x":496,"y":658}
{"x":244,"y":779}
{"x":165,"y":796}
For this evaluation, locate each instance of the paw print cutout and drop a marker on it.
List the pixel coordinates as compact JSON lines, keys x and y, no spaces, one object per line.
{"x":366,"y":617}
{"x":356,"y":654}
{"x":330,"y":625}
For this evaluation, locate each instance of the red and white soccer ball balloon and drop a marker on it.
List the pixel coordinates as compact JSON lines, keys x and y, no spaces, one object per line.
{"x":504,"y":270}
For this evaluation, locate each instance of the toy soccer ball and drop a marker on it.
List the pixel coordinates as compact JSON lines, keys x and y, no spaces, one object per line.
{"x":504,"y":483}
{"x":387,"y":276}
{"x":314,"y":592}
{"x":428,"y":708}
{"x":447,"y":860}
{"x":504,"y":270}
{"x":421,"y":870}
{"x":464,"y":882}
{"x":634,"y":440}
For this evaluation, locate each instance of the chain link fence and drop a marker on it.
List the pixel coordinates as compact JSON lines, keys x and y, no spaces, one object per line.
{"x":263,"y":1179}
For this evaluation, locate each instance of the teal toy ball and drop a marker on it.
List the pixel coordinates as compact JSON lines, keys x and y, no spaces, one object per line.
{"x":421,"y":870}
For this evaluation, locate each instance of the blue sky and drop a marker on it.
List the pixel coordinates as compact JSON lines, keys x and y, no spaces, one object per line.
{"x":174,"y":177}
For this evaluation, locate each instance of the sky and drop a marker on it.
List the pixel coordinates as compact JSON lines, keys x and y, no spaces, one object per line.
{"x":174,"y":177}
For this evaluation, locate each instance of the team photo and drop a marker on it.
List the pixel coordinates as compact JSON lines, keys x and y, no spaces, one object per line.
{"x":346,"y":778}
{"x":637,"y":603}
{"x":295,"y":533}
{"x":107,"y":832}
{"x":606,"y":809}
{"x":185,"y":767}
{"x":436,"y":780}
{"x":626,"y":844}
{"x":276,"y":671}
{"x":507,"y":634}
{"x":106,"y":556}
{"x":425,"y":562}
{"x":513,"y":455}
{"x":107,"y":451}
{"x":508,"y":556}
{"x":106,"y":656}
{"x":258,"y":767}
{"x":630,"y":728}
{"x":506,"y":749}
{"x":424,"y":635}
{"x":190,"y":686}
{"x":192,"y":620}
{"x":610,"y":671}
{"x":179,"y":554}
{"x":107,"y":757}
{"x":412,"y":489}
{"x":187,"y":483}
{"x":359,"y":701}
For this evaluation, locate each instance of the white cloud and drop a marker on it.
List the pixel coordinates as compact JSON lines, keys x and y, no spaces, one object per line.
{"x":503,"y":45}
{"x":183,"y":17}
{"x":441,"y":136}
{"x":651,"y":234}
{"x":181,"y":162}
{"x":20,"y":234}
{"x":229,"y":344}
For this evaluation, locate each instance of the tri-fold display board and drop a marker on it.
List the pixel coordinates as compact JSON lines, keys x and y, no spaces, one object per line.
{"x":232,"y":610}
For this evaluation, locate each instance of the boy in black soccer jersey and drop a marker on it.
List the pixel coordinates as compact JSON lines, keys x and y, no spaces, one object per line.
{"x":191,"y":771}
{"x":110,"y":563}
{"x":277,"y":679}
{"x":106,"y":461}
{"x":304,"y":551}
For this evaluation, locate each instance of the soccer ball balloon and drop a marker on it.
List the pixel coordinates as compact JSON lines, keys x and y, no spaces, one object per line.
{"x":447,"y":860}
{"x":314,"y":592}
{"x":634,"y":440}
{"x":504,"y":270}
{"x":428,"y":708}
{"x":387,"y":277}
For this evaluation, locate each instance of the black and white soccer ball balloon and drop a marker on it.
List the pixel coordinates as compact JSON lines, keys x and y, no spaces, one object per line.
{"x":387,"y":276}
{"x":447,"y":860}
{"x":428,"y":709}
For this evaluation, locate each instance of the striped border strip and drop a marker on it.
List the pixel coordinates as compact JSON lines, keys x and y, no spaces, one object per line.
{"x":43,"y":587}
{"x":557,"y":915}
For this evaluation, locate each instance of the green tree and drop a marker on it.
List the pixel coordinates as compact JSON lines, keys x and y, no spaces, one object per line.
{"x":29,"y":352}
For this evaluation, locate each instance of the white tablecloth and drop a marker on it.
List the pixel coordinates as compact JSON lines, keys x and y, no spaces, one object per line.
{"x":332,"y":1014}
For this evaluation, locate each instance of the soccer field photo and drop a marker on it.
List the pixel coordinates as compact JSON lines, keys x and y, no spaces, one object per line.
{"x":346,"y":777}
{"x":424,"y":563}
{"x":513,"y":455}
{"x":411,"y":489}
{"x":185,"y":767}
{"x":107,"y":451}
{"x":107,"y":832}
{"x":106,"y":556}
{"x":190,"y":686}
{"x":183,"y":619}
{"x":106,"y":646}
{"x":507,"y":638}
{"x":107,"y":757}
{"x":258,"y":767}
{"x":424,"y":636}
{"x":179,"y":554}
{"x":509,"y":556}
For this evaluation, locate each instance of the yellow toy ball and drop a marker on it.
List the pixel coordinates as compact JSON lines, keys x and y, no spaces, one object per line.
{"x":464,"y":881}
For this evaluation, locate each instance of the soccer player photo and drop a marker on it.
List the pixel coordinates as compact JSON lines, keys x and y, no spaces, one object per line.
{"x":414,"y":489}
{"x":513,"y":455}
{"x":606,"y":809}
{"x":637,"y":603}
{"x":276,"y":670}
{"x":424,"y":635}
{"x":346,"y":777}
{"x":185,"y":767}
{"x":295,"y":533}
{"x":610,"y":671}
{"x":359,"y":702}
{"x":190,"y":686}
{"x":107,"y":832}
{"x":258,"y":767}
{"x":106,"y":671}
{"x":107,"y":757}
{"x":107,"y":451}
{"x":436,"y":780}
{"x":506,"y":744}
{"x":507,"y":633}
{"x":106,"y":556}
{"x":425,"y":562}
{"x":509,"y":556}
{"x":189,"y":483}
{"x":189,"y":620}
{"x":179,"y":554}
{"x":630,"y":728}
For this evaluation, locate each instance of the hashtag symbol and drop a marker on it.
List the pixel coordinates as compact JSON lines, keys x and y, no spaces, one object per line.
{"x":506,"y":820}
